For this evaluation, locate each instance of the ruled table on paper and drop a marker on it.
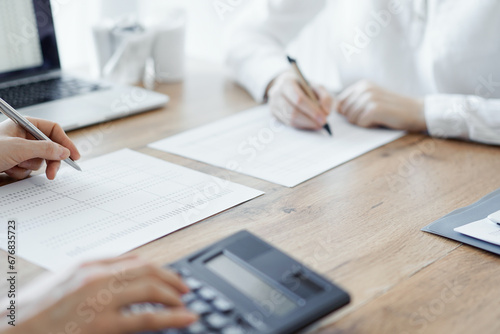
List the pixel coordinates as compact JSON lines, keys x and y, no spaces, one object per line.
{"x":119,"y":202}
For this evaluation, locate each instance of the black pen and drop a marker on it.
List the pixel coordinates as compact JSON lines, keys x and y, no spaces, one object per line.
{"x":307,"y":88}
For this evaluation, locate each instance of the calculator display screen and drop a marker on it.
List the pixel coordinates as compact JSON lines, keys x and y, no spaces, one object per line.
{"x":269,"y":298}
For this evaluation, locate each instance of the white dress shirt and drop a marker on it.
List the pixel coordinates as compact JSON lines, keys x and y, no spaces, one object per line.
{"x":446,"y":51}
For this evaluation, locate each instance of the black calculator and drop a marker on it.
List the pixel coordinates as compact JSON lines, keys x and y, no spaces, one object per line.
{"x":244,"y":285}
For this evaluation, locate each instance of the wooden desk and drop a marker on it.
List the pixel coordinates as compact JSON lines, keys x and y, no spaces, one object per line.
{"x":358,"y":224}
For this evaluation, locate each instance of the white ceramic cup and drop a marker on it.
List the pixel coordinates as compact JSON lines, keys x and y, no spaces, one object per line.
{"x":131,"y":48}
{"x":169,"y":47}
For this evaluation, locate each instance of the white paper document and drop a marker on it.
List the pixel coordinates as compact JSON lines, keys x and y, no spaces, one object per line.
{"x":255,"y":143}
{"x":484,"y":229}
{"x":495,"y":217}
{"x":119,"y":202}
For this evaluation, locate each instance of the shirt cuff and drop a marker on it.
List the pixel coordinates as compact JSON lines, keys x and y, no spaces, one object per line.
{"x":446,"y":116}
{"x":257,"y":75}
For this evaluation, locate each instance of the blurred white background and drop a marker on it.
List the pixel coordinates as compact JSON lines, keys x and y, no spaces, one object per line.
{"x":205,"y":30}
{"x":75,"y":18}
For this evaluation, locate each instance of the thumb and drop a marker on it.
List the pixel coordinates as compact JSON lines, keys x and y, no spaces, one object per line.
{"x":47,"y":150}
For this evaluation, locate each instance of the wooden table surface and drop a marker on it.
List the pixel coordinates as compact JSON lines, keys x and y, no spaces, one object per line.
{"x":358,"y":224}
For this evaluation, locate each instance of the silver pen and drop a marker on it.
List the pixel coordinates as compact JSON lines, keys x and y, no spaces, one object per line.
{"x":20,"y":120}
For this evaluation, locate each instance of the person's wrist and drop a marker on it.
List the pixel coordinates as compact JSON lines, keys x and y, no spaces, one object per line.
{"x":273,"y":82}
{"x":266,"y":94}
{"x":418,"y":111}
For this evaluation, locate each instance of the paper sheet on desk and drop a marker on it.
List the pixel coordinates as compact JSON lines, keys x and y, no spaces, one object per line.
{"x":254,"y":143}
{"x":121,"y":201}
{"x":483,"y":229}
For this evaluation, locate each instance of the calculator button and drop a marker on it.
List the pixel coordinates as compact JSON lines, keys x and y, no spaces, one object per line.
{"x":216,"y":321}
{"x":171,"y":331}
{"x":242,"y":323}
{"x":188,"y":298}
{"x":222,"y":305}
{"x":252,"y":321}
{"x":158,"y":307}
{"x":196,"y":328}
{"x":136,"y":308}
{"x":193,"y":283}
{"x":144,"y":308}
{"x":207,"y":294}
{"x":233,"y":330}
{"x":200,"y":307}
{"x":184,"y":272}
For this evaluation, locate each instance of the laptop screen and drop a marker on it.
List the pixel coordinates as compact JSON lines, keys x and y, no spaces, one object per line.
{"x":27,"y":39}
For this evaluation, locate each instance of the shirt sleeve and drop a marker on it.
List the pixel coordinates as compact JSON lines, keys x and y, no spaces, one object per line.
{"x":256,"y":44}
{"x":463,"y":116}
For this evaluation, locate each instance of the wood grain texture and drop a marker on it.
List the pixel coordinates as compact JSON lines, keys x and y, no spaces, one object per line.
{"x":358,"y":224}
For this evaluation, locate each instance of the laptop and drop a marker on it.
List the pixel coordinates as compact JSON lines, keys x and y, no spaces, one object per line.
{"x":32,"y":82}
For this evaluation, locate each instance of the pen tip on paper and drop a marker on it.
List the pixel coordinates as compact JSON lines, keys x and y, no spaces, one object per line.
{"x":73,"y":164}
{"x":291,"y":60}
{"x":327,"y":128}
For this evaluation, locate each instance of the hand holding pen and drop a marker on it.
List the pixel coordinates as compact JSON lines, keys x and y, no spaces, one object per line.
{"x":23,"y":154}
{"x":296,"y":103}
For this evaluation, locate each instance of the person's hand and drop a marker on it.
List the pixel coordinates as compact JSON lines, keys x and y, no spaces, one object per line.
{"x":96,"y":299}
{"x":20,"y":154}
{"x":291,"y":105}
{"x":368,"y":105}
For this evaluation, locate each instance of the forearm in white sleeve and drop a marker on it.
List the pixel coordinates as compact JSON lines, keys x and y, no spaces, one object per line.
{"x":462,"y":116}
{"x":257,"y":43}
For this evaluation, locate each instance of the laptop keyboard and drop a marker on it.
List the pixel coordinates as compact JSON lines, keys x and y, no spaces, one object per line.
{"x":33,"y":93}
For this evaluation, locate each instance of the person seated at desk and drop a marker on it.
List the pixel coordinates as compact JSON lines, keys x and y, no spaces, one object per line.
{"x":92,"y":298}
{"x":420,"y":65}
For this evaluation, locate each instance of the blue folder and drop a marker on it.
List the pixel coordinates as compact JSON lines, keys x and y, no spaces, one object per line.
{"x":477,"y":211}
